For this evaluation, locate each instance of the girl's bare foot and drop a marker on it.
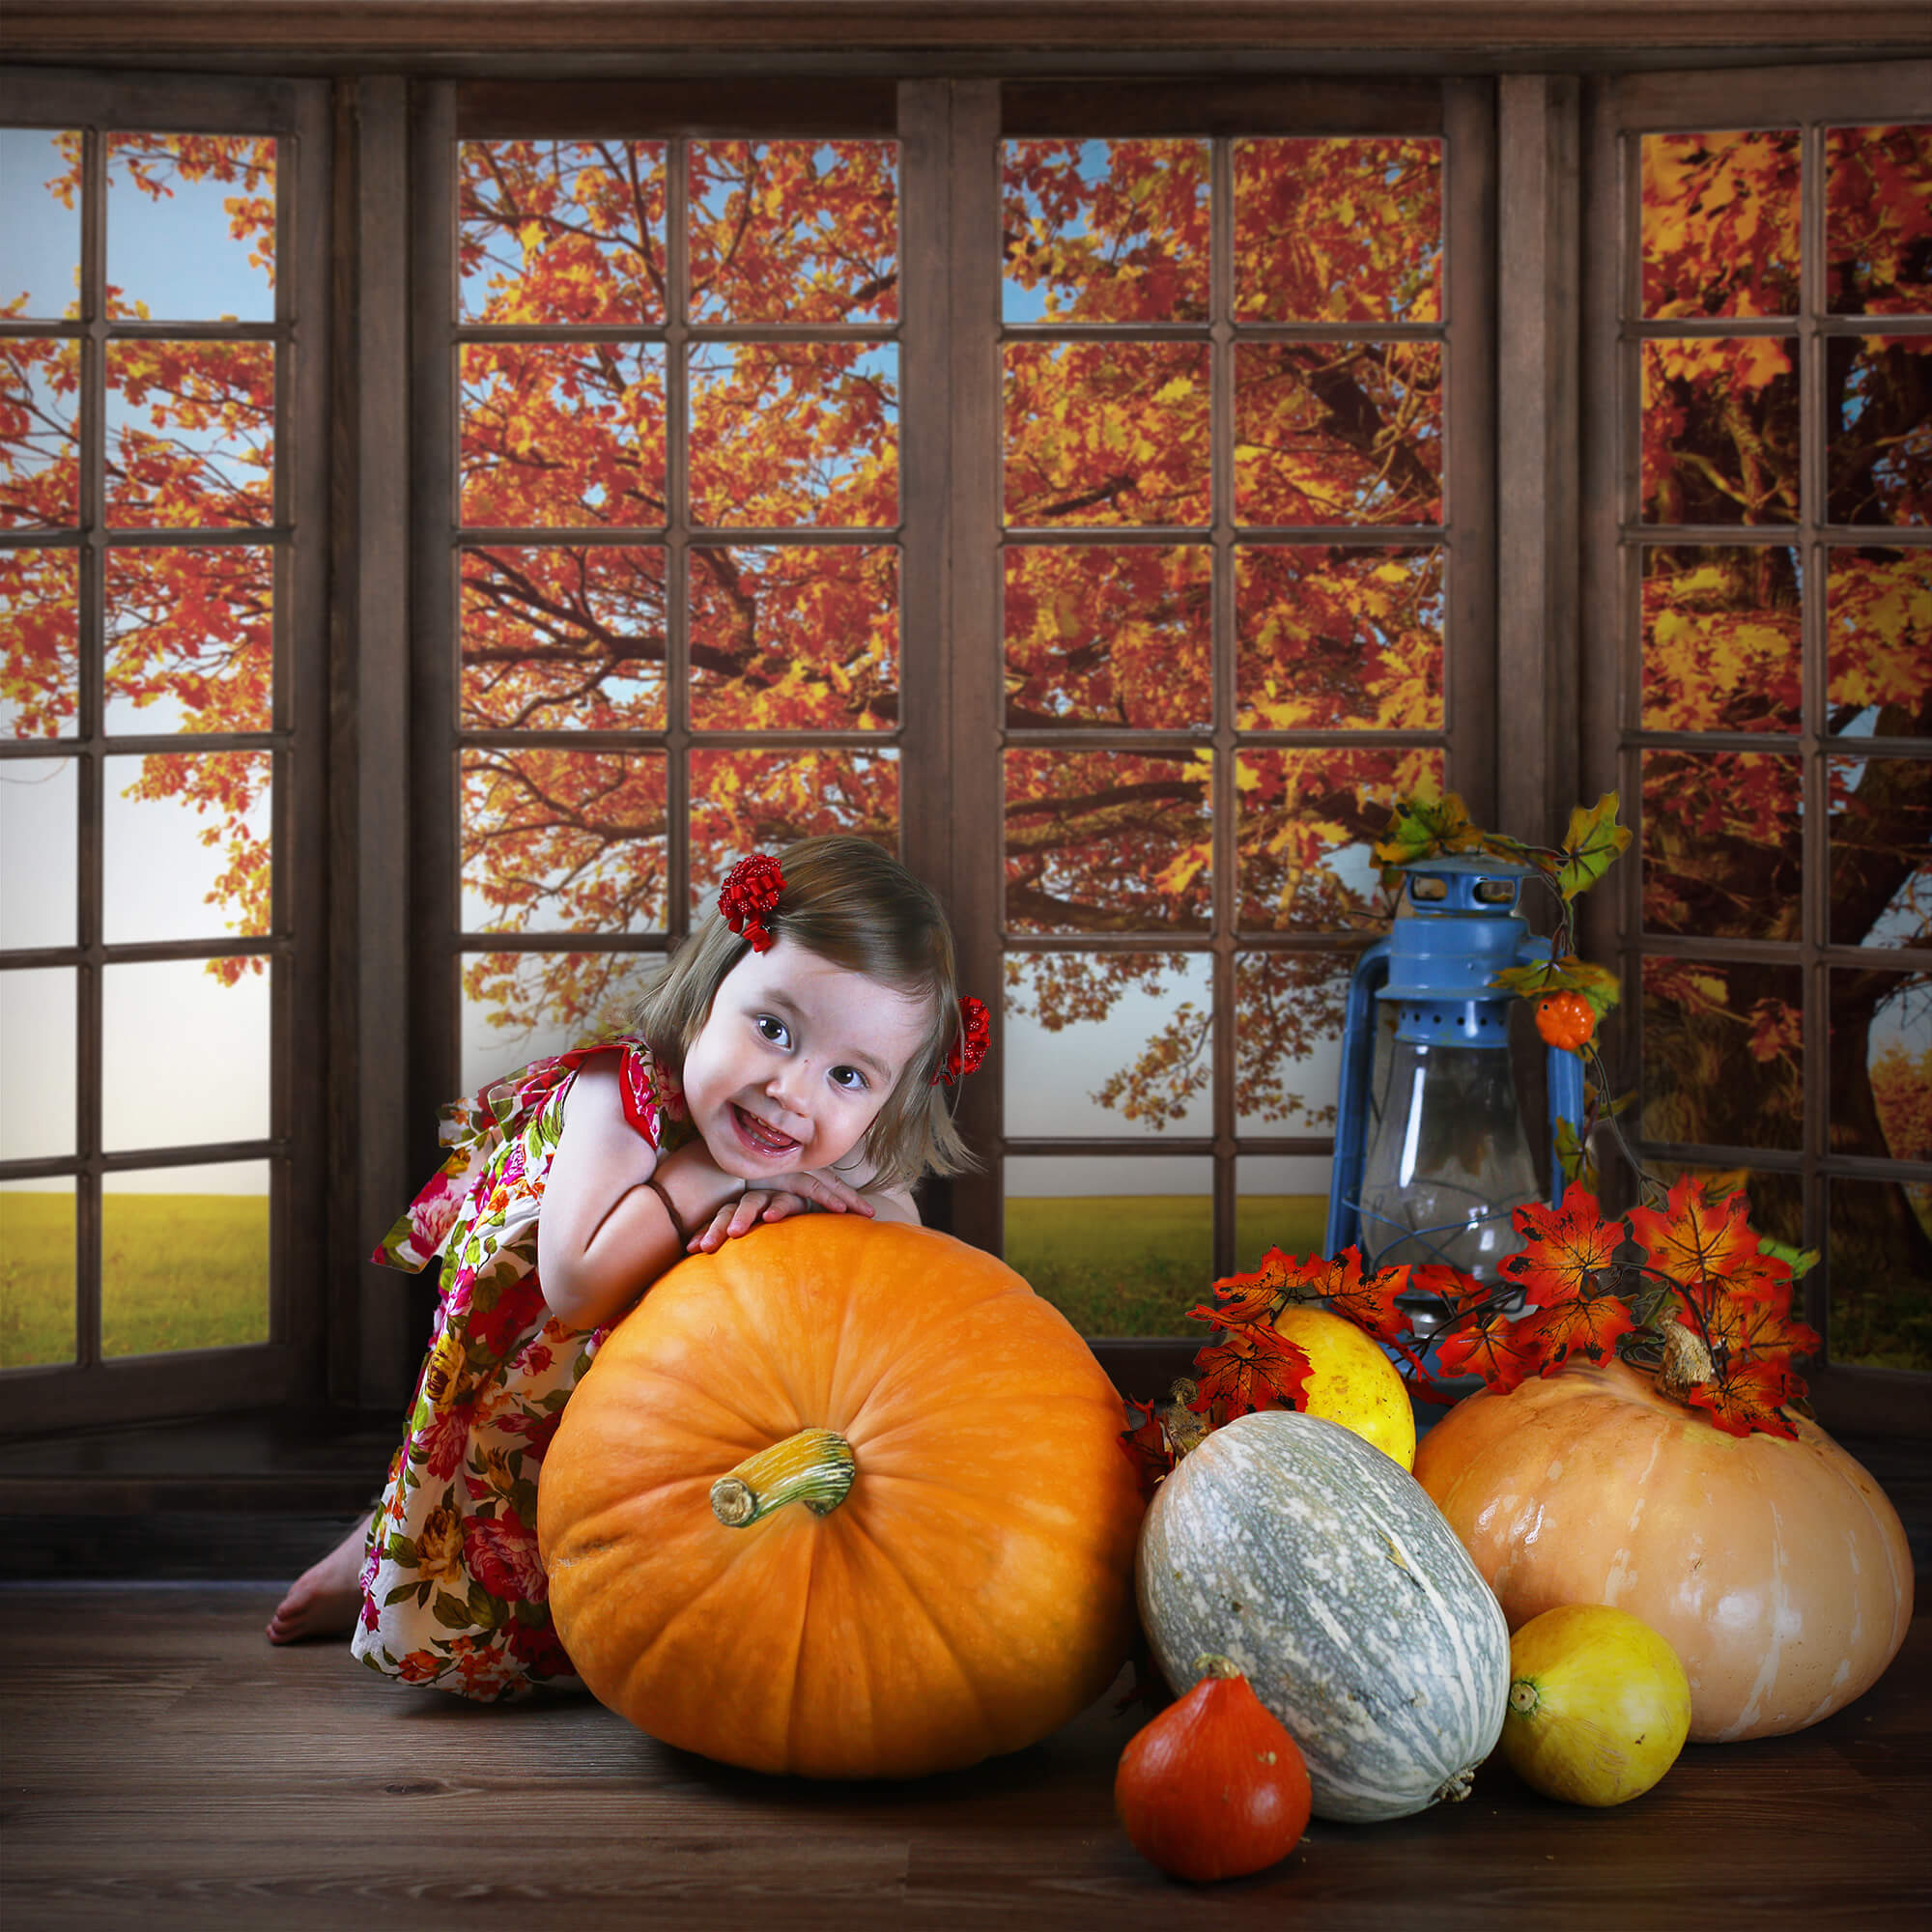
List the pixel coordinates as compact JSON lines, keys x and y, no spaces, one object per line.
{"x":324,"y":1600}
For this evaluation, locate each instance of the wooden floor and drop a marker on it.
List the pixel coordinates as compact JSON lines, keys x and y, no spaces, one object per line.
{"x":166,"y":1767}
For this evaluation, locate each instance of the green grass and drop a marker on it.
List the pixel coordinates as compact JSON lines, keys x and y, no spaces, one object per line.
{"x":177,"y":1272}
{"x":1134,"y":1265}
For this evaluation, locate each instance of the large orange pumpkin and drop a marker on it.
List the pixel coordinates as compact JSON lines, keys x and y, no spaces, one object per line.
{"x":967,"y":1586}
{"x":1777,"y":1571}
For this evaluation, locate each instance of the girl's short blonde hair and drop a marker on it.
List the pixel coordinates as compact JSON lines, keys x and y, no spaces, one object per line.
{"x":855,"y":906}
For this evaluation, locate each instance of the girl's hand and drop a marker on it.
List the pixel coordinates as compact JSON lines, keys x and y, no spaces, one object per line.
{"x":793,"y":1194}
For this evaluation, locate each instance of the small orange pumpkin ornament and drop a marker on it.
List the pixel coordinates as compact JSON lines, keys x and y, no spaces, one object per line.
{"x":845,"y":1500}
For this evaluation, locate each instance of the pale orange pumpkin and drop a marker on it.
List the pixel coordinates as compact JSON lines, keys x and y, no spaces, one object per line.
{"x":967,"y":1588}
{"x":1777,"y":1571}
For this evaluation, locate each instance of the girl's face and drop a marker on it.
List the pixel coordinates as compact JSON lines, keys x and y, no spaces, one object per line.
{"x":795,"y":1059}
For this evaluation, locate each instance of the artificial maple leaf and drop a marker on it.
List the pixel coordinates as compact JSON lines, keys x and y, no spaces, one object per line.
{"x":1746,"y":1397}
{"x":1590,"y":845}
{"x":1424,"y":826}
{"x":1569,"y":975}
{"x":1254,"y":1297}
{"x":1366,"y":1301}
{"x":1254,"y":1368}
{"x":1760,"y":1328}
{"x":1568,"y":1247}
{"x":1147,"y":1447}
{"x":1705,"y":1246}
{"x":1491,"y":1348}
{"x":1582,"y":1324}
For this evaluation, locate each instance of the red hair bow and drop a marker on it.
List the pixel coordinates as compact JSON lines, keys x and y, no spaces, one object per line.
{"x":974,"y":1033}
{"x":751,"y":888}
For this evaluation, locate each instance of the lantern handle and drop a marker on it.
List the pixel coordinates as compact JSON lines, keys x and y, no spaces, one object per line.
{"x":1352,"y":1108}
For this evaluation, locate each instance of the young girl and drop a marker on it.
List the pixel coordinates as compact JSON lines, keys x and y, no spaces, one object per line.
{"x":794,"y":1058}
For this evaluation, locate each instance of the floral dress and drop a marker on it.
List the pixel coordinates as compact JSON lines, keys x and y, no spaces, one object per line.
{"x":453,"y":1592}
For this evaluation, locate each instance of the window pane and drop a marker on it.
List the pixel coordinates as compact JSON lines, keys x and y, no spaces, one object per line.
{"x":39,"y":820}
{"x":190,"y":434}
{"x":37,"y":1063}
{"x":1720,"y":431}
{"x":185,"y":845}
{"x":794,"y":231}
{"x":1338,"y":230}
{"x":1281,"y":1202}
{"x":1105,"y":231}
{"x":564,"y":637}
{"x":794,"y":639}
{"x":1721,"y":845}
{"x":37,"y":1278}
{"x":40,"y":437}
{"x":40,"y":642}
{"x":1327,"y":638}
{"x":1721,"y":223}
{"x":1338,"y":432}
{"x":185,"y":1257}
{"x":563,"y":841}
{"x":1121,"y":1245}
{"x":1723,"y":1053}
{"x":1720,"y":638}
{"x":1289,"y":1008}
{"x":185,"y":1052}
{"x":1878,"y":220}
{"x":1881,"y":1259}
{"x":521,"y":1007}
{"x":203,"y":199}
{"x":560,"y":230}
{"x":1109,"y":1044}
{"x":1877,"y":627}
{"x":190,"y":643}
{"x":1881,"y":858}
{"x":785,"y":434}
{"x":1881,"y":1064}
{"x":745,"y":802}
{"x":1308,"y":821}
{"x":1109,"y":635}
{"x":1107,"y":842}
{"x":1106,"y":433}
{"x":563,"y":433}
{"x":40,"y":241}
{"x":1878,"y":428}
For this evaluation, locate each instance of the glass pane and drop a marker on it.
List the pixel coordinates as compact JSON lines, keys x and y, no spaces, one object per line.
{"x":40,"y":241}
{"x":39,"y":820}
{"x":1878,"y":428}
{"x":1289,"y":1008}
{"x":1281,"y":1200}
{"x":40,"y":642}
{"x":185,"y":1258}
{"x":37,"y":1063}
{"x":521,"y":1007}
{"x":564,"y":637}
{"x":191,"y":227}
{"x":185,"y":1052}
{"x":190,"y":434}
{"x":794,"y":639}
{"x":1881,"y":1064}
{"x":1338,"y":432}
{"x":1308,"y":821}
{"x":1121,"y":1245}
{"x":1720,"y":638}
{"x":1721,"y":847}
{"x":560,"y":231}
{"x":1338,"y":230}
{"x":563,"y":841}
{"x":1880,"y":1255}
{"x":1878,"y":220}
{"x":785,"y":434}
{"x":794,"y":231}
{"x":186,"y":844}
{"x":556,"y":435}
{"x":744,"y":801}
{"x":1107,"y":842}
{"x":1881,"y":857}
{"x":1109,"y":1044}
{"x":1724,"y":1053}
{"x":1721,"y":223}
{"x":40,"y":437}
{"x":1105,"y":231}
{"x":191,"y":639}
{"x":1106,"y":433}
{"x":1720,"y":431}
{"x":37,"y":1272}
{"x":1878,"y":631}
{"x":1109,"y":635}
{"x":1328,"y":637}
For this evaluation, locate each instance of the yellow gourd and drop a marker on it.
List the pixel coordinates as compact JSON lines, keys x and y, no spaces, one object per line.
{"x":1351,"y":1381}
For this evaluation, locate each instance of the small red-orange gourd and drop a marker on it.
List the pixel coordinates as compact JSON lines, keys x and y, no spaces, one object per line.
{"x":845,"y":1500}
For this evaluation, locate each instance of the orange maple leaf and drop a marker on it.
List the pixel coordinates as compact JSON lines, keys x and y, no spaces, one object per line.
{"x":1748,"y":1396}
{"x":1584,"y":1325}
{"x":1254,"y":1368}
{"x":1493,"y":1349}
{"x":1568,"y":1247}
{"x":1702,"y":1244}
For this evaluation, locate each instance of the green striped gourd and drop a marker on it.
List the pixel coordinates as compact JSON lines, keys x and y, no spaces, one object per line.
{"x":1322,"y":1568}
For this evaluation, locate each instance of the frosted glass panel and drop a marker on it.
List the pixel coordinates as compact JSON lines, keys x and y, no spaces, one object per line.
{"x":39,"y":804}
{"x":185,"y":1059}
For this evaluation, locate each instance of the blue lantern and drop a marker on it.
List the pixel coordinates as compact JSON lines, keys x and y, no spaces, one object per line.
{"x":1432,"y":1168}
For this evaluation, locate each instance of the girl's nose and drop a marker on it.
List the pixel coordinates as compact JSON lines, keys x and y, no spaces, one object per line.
{"x":786,"y":1088}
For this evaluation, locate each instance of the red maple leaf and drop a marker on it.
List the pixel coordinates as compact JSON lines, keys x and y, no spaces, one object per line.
{"x":1280,"y":1279}
{"x":1147,"y":1447}
{"x":1585,"y":1325}
{"x":1747,"y":1396}
{"x":1568,"y":1247}
{"x":1703,"y":1245}
{"x":1760,"y":1328}
{"x":1254,"y":1368}
{"x":1491,"y":1348}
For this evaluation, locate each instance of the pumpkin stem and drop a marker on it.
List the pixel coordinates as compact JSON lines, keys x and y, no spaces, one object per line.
{"x":1522,"y":1698}
{"x":1211,"y":1664}
{"x":814,"y":1467}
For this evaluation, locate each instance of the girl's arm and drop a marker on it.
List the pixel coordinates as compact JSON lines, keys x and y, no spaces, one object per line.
{"x":736,"y":1218}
